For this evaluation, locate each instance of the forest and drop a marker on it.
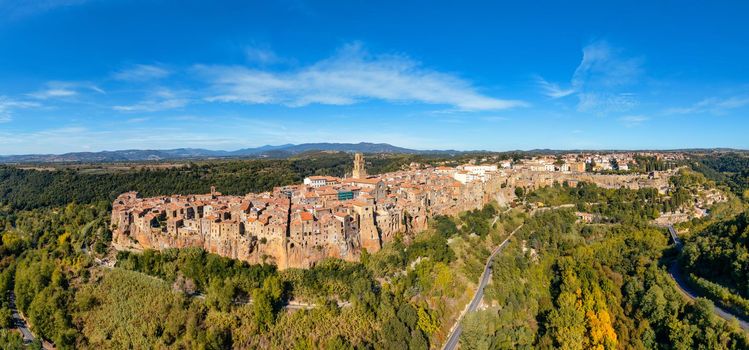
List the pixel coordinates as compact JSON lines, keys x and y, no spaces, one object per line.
{"x":563,"y":285}
{"x":717,"y":259}
{"x":730,"y":170}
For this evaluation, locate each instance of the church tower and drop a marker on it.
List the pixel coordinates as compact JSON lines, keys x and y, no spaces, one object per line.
{"x":359,"y":171}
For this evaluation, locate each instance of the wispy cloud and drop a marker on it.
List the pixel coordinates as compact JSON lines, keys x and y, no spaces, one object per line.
{"x":63,"y":89}
{"x":712,"y":105}
{"x":76,"y":138}
{"x":160,"y":100}
{"x":351,"y":76}
{"x":8,"y":105}
{"x":601,"y":81}
{"x":633,"y":120}
{"x":553,"y":90}
{"x":142,"y":72}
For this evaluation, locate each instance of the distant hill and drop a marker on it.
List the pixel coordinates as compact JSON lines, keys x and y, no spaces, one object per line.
{"x":267,"y":151}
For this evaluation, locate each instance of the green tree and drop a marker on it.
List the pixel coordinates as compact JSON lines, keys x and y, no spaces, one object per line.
{"x":478,"y":330}
{"x":10,"y":340}
{"x":262,"y":307}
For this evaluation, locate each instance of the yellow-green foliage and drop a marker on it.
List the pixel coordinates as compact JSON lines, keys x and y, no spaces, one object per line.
{"x":131,"y":310}
{"x":564,"y":285}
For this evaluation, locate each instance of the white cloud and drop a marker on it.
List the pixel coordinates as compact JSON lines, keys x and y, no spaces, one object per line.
{"x":142,"y":72}
{"x":553,"y":90}
{"x":633,"y":120}
{"x":601,"y":81}
{"x":603,"y":67}
{"x":63,"y":89}
{"x":8,"y":105}
{"x":712,"y":105}
{"x":53,"y":93}
{"x":351,"y":76}
{"x":161,"y":100}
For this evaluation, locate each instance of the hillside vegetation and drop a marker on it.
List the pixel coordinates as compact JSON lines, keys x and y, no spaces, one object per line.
{"x":560,"y":283}
{"x":564,"y":285}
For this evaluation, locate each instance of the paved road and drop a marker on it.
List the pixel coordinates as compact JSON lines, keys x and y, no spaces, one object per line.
{"x":19,"y":322}
{"x":688,"y":292}
{"x":454,"y":337}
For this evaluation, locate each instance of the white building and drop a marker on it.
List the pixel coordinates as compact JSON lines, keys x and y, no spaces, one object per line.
{"x":480,"y":169}
{"x":465,"y":177}
{"x":319,"y":181}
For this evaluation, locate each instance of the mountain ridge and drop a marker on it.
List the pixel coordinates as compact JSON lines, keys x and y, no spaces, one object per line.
{"x":265,"y":151}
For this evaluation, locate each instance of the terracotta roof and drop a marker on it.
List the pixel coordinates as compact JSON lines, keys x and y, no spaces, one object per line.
{"x":306,"y":216}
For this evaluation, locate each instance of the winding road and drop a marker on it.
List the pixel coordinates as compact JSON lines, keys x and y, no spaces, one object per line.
{"x":675,"y":271}
{"x":454,"y":337}
{"x":19,"y":322}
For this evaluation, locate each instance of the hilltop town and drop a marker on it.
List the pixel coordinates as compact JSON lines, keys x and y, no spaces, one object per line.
{"x":298,"y":225}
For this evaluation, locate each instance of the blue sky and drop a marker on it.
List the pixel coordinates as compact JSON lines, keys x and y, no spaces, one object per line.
{"x":80,"y":75}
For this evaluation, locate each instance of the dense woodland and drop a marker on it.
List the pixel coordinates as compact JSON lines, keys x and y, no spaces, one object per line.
{"x":559,"y":283}
{"x":569,"y":286}
{"x":731,"y":170}
{"x":718,"y":260}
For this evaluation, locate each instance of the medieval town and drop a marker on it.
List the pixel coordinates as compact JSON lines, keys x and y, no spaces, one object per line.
{"x":298,"y":225}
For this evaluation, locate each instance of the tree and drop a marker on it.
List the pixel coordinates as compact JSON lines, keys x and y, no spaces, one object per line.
{"x":6,"y":317}
{"x":478,"y":330}
{"x":10,"y":340}
{"x":220,"y":294}
{"x":427,"y":323}
{"x":418,"y":341}
{"x":262,"y":307}
{"x":395,"y":334}
{"x":519,"y":192}
{"x":338,"y":343}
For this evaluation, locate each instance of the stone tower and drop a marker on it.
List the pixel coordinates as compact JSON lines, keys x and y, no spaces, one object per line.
{"x":369,"y":237}
{"x":359,"y":171}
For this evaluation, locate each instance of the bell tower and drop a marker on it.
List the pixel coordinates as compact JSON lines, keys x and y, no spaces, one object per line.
{"x":359,"y":171}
